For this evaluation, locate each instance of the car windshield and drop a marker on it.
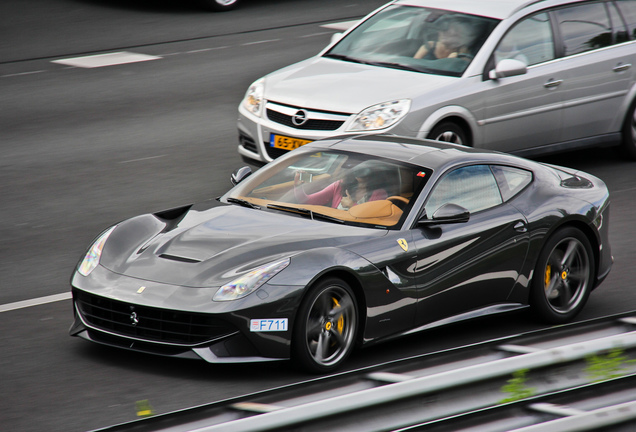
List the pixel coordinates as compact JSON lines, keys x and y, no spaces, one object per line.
{"x":415,"y":38}
{"x":334,"y":186}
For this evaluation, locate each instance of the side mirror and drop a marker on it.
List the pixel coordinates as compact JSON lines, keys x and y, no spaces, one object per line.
{"x":508,"y":68}
{"x":240,"y":174}
{"x":449,"y":213}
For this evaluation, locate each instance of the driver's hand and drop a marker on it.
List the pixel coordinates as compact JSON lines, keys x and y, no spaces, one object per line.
{"x":347,"y":202}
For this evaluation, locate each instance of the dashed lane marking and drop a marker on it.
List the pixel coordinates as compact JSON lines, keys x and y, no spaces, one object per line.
{"x":102,"y":60}
{"x":35,"y":302}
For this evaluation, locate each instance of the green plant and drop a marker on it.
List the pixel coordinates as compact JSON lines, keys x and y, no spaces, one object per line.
{"x":516,"y":387}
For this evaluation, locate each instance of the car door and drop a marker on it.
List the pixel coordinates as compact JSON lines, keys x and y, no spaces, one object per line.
{"x":597,"y":66}
{"x":467,"y":266}
{"x":525,"y":111}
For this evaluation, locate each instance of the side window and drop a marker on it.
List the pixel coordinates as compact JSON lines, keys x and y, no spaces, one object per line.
{"x":584,"y":27}
{"x":620,"y":31}
{"x":511,"y":180}
{"x":473,"y":187}
{"x":530,"y":41}
{"x":627,"y":9}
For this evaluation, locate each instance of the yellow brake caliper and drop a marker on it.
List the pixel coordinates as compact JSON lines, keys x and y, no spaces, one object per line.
{"x":548,"y":275}
{"x":340,"y":325}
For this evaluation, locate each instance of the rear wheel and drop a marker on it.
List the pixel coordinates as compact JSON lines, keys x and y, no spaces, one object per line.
{"x":449,"y":132}
{"x":326,"y":326}
{"x":563,"y":277}
{"x":219,"y":5}
{"x":629,"y":133}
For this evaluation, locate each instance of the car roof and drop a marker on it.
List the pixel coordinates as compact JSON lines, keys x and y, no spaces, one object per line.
{"x":498,"y":9}
{"x":435,"y":155}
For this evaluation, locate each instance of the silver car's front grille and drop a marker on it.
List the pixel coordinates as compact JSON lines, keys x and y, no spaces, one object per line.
{"x":148,"y":323}
{"x":304,"y":119}
{"x":311,"y":124}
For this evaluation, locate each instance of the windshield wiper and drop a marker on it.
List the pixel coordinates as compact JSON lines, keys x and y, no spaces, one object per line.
{"x":305,"y":212}
{"x":345,"y":58}
{"x":243,"y":203}
{"x":378,"y":63}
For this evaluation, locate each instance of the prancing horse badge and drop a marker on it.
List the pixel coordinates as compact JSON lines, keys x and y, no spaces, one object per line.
{"x":403,"y":244}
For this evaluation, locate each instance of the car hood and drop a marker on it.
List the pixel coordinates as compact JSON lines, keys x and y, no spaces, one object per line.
{"x":341,"y":86}
{"x":227,"y":243}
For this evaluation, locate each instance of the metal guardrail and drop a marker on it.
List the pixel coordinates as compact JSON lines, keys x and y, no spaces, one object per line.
{"x":437,"y":388}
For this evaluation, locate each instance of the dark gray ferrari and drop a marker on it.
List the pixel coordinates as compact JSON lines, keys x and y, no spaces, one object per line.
{"x":343,"y":243}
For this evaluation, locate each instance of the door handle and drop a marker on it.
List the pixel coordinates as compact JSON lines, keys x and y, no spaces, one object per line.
{"x":552,"y":83}
{"x":521,"y":227}
{"x":621,"y":67}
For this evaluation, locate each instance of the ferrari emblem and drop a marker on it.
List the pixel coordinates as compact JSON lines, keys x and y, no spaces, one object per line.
{"x":403,"y":244}
{"x":141,"y":289}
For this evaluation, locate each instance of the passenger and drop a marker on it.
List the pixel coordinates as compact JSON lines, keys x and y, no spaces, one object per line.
{"x":454,"y":40}
{"x":360,"y":185}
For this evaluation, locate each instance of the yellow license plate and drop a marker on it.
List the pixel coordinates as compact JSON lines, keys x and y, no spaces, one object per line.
{"x":285,"y":142}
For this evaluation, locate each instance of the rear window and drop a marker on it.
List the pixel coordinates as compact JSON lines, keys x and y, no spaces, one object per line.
{"x":511,"y":180}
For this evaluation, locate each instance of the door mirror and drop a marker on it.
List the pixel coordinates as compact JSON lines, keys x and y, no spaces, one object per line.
{"x":240,"y":174}
{"x":449,"y":213}
{"x":508,"y":68}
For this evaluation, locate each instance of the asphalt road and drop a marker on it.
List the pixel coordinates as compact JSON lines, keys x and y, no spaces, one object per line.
{"x":81,"y":149}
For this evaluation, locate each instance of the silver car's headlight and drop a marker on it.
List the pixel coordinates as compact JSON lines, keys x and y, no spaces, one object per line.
{"x":253,"y":100}
{"x":380,"y":116}
{"x":250,"y":282}
{"x":91,"y":259}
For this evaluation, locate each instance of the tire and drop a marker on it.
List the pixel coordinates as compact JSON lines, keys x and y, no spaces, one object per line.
{"x":219,"y":5}
{"x":563,"y":277}
{"x":449,"y":132}
{"x":629,"y":133}
{"x":326,"y":326}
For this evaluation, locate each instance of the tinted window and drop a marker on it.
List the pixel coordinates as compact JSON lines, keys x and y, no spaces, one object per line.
{"x":530,"y":41}
{"x":511,"y":180}
{"x":584,"y":28}
{"x":472,"y":187}
{"x":627,"y":9}
{"x":620,"y":31}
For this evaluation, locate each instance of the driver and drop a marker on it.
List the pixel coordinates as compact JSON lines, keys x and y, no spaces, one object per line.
{"x":454,"y":39}
{"x":360,"y":185}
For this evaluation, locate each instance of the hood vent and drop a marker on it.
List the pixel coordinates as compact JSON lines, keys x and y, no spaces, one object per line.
{"x":179,"y":258}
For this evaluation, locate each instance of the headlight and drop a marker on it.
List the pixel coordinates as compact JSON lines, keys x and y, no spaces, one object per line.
{"x":250,"y":282}
{"x":93,"y":255}
{"x":380,"y":116}
{"x":253,"y":99}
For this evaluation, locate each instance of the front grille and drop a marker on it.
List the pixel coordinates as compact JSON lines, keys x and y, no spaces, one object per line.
{"x":152,"y":324}
{"x":311,"y":124}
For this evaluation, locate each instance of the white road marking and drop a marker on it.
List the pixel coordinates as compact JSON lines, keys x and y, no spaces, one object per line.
{"x":260,"y":42}
{"x":342,"y":26}
{"x":34,"y":302}
{"x":142,"y":159}
{"x":110,"y":59}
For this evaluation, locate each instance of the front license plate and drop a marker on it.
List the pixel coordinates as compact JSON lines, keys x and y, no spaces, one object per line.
{"x":268,"y":325}
{"x":285,"y":142}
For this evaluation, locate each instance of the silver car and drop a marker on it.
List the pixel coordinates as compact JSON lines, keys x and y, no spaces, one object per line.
{"x":520,"y":76}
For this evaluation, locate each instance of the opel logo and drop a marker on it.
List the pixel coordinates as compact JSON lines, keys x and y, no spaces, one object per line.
{"x":134,"y":319}
{"x":300,"y":118}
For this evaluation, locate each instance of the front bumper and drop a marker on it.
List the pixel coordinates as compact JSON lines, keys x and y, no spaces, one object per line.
{"x":176,"y":321}
{"x":255,"y":132}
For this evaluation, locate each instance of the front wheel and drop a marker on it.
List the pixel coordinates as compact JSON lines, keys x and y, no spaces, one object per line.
{"x":563,"y":277}
{"x":449,"y":132}
{"x":219,"y":5}
{"x":629,"y":133}
{"x":326,"y":326}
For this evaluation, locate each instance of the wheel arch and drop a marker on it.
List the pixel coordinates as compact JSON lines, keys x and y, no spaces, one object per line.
{"x":456,"y":114}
